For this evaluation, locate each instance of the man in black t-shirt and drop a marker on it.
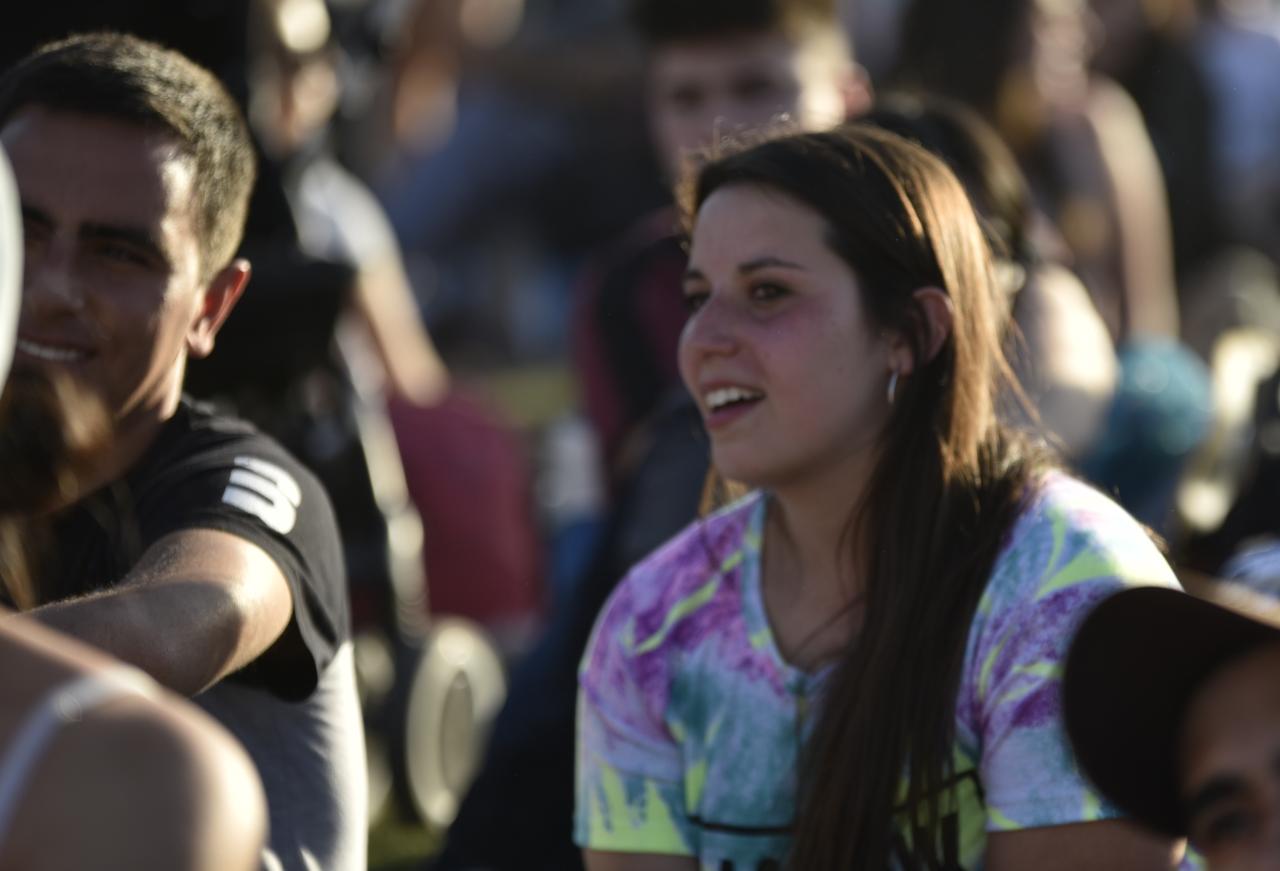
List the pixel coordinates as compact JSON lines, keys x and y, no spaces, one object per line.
{"x":199,"y":551}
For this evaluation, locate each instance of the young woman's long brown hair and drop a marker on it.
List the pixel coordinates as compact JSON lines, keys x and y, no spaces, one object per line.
{"x":50,"y":430}
{"x":948,"y":483}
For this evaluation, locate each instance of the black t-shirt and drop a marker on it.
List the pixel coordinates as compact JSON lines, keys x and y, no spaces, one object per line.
{"x":208,"y":471}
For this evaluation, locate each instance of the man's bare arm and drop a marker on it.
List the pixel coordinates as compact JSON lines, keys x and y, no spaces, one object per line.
{"x":199,"y":605}
{"x":599,"y":860}
{"x":409,"y":358}
{"x":1106,"y":845}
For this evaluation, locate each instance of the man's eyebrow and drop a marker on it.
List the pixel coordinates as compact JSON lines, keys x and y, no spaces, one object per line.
{"x":1215,"y":790}
{"x":134,"y":236}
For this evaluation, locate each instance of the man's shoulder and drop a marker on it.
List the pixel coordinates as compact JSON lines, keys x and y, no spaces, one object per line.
{"x":210,"y":469}
{"x":200,"y":429}
{"x":202,"y":442}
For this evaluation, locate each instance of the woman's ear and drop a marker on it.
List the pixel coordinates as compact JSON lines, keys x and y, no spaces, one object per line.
{"x":939,"y":315}
{"x":939,"y":318}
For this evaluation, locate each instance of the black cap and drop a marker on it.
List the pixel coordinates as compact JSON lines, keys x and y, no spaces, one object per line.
{"x":1133,"y":668}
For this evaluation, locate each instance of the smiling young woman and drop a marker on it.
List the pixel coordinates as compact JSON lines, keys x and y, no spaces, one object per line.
{"x":856,"y":666}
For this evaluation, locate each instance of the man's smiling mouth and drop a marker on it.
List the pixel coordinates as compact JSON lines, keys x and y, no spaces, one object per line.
{"x":50,"y":352}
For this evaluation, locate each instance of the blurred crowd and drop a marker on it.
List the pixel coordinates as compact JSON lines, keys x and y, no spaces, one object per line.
{"x":468,"y":267}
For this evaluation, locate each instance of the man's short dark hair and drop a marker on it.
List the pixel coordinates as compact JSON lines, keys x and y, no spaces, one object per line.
{"x":661,"y":22}
{"x":121,"y":77}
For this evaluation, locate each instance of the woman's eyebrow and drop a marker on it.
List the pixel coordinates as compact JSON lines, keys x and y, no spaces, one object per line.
{"x":766,"y":262}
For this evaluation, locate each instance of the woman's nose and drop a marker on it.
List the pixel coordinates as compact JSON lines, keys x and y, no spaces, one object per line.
{"x":711,"y":328}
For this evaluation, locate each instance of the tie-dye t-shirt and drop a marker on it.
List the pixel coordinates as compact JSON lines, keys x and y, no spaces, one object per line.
{"x":690,"y":722}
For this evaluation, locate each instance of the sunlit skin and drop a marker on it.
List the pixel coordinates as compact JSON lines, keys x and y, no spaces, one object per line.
{"x":1230,"y":765}
{"x":113,"y":285}
{"x":778,"y":315}
{"x":700,"y":89}
{"x":1059,"y":33}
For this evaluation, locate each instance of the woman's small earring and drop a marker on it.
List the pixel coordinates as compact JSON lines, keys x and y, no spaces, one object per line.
{"x":893,"y":386}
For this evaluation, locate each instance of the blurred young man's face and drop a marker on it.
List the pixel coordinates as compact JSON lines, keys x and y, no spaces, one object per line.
{"x":112,"y":257}
{"x":701,"y":89}
{"x":1230,"y":765}
{"x":114,"y":292}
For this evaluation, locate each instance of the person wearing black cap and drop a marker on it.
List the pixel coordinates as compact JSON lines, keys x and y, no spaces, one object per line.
{"x":1172,"y":705}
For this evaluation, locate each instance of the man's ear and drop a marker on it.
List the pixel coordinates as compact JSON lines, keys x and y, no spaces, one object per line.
{"x":220,"y":297}
{"x":939,"y":316}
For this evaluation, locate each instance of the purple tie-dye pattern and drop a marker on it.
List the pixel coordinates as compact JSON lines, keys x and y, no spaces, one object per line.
{"x":669,"y":646}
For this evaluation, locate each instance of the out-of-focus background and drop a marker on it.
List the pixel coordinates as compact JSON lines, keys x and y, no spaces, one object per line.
{"x":441,"y":180}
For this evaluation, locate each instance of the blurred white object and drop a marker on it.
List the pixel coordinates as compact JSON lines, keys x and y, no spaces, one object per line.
{"x":303,"y":24}
{"x":1242,"y":358}
{"x":10,"y":264}
{"x":457,"y":691}
{"x":571,"y":485}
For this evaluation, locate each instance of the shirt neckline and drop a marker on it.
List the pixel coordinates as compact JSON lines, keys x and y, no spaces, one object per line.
{"x":759,"y":631}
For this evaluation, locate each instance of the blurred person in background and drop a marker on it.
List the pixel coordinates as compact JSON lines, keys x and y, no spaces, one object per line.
{"x":710,"y":70}
{"x":412,"y":435}
{"x":710,"y":67}
{"x":294,"y":91}
{"x":1022,"y":64}
{"x":1196,"y":72}
{"x":1245,"y":544}
{"x":873,"y":27}
{"x":517,"y":147}
{"x":210,"y":33}
{"x":99,"y":767}
{"x":1172,"y":704}
{"x":194,"y":548}
{"x":1145,"y":46}
{"x":328,"y":274}
{"x":1058,"y":347}
{"x":429,"y":485}
{"x":1237,"y":44}
{"x":447,"y":450}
